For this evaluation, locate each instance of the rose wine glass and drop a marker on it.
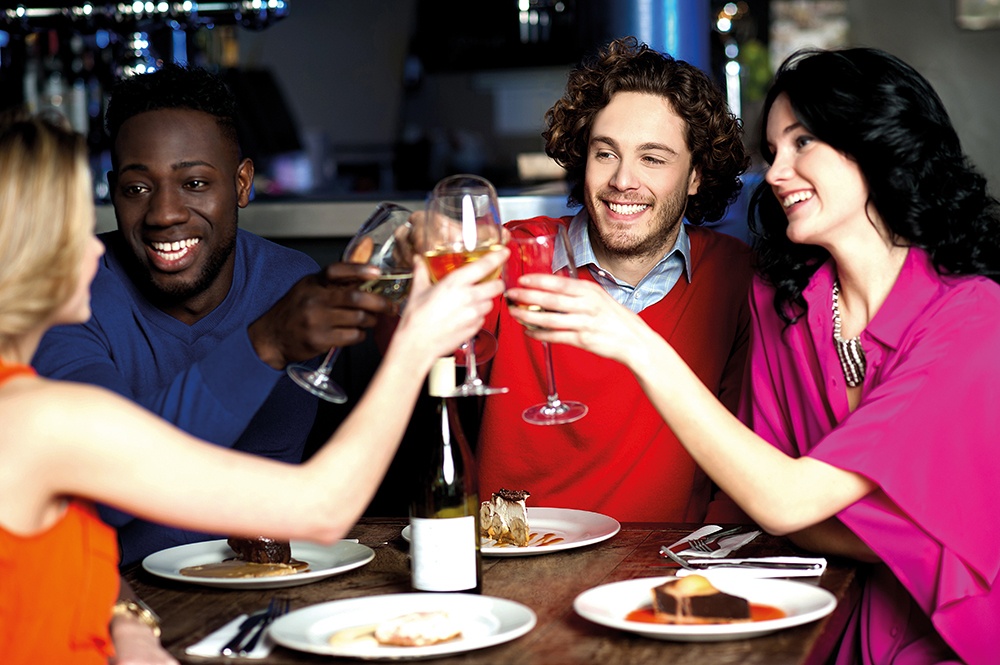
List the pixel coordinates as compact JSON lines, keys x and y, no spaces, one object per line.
{"x":462,"y":225}
{"x":374,"y":244}
{"x":542,"y":246}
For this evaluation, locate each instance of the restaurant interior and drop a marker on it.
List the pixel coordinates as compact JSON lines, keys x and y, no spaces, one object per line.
{"x":347,"y":103}
{"x":352,"y":102}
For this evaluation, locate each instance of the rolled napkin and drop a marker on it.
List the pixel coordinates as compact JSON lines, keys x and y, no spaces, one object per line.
{"x":212,"y":644}
{"x":746,"y":568}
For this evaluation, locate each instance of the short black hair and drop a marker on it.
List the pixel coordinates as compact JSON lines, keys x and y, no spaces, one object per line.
{"x":173,"y":87}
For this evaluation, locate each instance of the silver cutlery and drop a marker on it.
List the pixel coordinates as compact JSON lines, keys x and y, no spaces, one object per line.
{"x":252,"y":627}
{"x":281,"y":607}
{"x":700,"y":544}
{"x":724,"y":563}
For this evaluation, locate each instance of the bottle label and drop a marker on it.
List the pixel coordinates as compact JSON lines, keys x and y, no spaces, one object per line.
{"x":444,"y":553}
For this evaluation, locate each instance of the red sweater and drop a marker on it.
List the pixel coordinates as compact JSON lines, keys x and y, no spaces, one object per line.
{"x":620,"y":459}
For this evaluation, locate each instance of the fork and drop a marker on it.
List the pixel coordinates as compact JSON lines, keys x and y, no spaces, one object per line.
{"x":704,"y":543}
{"x":252,"y":627}
{"x":276,"y":608}
{"x":701,"y":544}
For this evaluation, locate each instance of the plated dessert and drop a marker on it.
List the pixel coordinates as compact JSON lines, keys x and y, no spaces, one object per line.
{"x":415,"y":629}
{"x":255,"y":557}
{"x":694,"y":600}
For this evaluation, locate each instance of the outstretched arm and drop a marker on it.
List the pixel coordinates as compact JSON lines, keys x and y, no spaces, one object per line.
{"x":781,"y":493}
{"x":81,"y":441}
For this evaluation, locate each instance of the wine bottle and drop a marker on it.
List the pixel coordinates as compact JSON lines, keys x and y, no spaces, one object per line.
{"x":444,"y":514}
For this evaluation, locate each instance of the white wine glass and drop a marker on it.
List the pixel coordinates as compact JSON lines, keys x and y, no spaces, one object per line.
{"x":375,"y":243}
{"x":539,"y":246}
{"x":462,"y":225}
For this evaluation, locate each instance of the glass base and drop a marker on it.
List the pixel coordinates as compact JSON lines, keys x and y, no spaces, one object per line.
{"x":557,"y":414}
{"x":318,"y":383}
{"x":477,"y":389}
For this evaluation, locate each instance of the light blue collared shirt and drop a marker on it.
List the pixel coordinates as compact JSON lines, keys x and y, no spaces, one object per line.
{"x":652,"y":288}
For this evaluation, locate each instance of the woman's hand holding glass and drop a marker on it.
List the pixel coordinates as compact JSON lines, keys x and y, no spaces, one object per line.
{"x":580,"y":313}
{"x":441,"y":316}
{"x":542,"y":247}
{"x":462,"y":225}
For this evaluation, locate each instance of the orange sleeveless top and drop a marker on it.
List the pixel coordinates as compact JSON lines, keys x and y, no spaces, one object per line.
{"x":57,"y":587}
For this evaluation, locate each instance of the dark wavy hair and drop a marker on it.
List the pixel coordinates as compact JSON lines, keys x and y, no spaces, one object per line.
{"x":714,"y":134}
{"x":172,"y":87}
{"x":882,"y":114}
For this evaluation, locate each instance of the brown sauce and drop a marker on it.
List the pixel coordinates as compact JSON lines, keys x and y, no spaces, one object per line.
{"x":235,"y":569}
{"x":758,"y":612}
{"x":544,"y":539}
{"x":534,"y":540}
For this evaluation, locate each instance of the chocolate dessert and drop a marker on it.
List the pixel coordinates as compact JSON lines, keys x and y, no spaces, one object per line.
{"x":261,"y":549}
{"x":693,"y":600}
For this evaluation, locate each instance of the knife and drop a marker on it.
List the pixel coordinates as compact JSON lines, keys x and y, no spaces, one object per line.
{"x":784,"y":565}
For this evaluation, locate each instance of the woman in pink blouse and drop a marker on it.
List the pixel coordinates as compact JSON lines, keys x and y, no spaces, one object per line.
{"x":875,"y":363}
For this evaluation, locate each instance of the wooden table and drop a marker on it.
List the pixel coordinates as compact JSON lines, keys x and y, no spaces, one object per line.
{"x":546,"y":583}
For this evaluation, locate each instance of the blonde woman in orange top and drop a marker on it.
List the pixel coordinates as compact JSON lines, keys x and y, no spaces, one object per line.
{"x":64,"y":445}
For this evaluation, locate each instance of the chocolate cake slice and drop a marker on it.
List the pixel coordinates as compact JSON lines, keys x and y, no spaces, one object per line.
{"x":693,"y":600}
{"x":261,"y":549}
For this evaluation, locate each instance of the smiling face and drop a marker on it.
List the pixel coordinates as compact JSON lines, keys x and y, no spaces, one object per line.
{"x":823,"y":192}
{"x":638,"y":177}
{"x":176,"y":191}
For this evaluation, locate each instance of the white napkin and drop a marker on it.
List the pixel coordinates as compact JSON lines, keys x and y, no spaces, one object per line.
{"x":753,"y":572}
{"x":213,"y":643}
{"x":728,"y":544}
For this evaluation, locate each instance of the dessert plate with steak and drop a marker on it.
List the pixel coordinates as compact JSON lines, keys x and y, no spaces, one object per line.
{"x":696,"y":609}
{"x":403,"y":625}
{"x":256,"y":563}
{"x":509,"y":528}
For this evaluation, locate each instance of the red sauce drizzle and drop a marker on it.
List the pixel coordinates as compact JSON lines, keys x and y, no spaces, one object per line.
{"x":758,"y":612}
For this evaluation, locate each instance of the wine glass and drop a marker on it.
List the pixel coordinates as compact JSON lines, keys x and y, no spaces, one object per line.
{"x":542,"y":246}
{"x":462,"y":225}
{"x":374,"y":244}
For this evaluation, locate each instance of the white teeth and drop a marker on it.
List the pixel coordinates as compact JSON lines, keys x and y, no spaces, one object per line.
{"x":171,"y":251}
{"x":792,"y":199}
{"x":629,"y":209}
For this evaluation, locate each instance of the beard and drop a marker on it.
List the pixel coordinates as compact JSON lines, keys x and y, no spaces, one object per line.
{"x":174,"y":293}
{"x":629,"y":242}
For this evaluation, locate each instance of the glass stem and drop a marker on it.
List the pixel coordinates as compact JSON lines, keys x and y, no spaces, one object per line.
{"x":471,"y":372}
{"x":551,"y":395}
{"x":331,"y":357}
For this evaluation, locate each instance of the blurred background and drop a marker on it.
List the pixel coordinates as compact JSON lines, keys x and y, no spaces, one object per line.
{"x":361,"y":100}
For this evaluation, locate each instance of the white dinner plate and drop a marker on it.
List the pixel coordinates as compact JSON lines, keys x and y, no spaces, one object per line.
{"x":576,"y":528}
{"x":485,"y":621}
{"x":802,"y":603}
{"x":324,"y":561}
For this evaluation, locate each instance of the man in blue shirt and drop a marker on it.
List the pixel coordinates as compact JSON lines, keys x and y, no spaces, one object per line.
{"x":194,"y":318}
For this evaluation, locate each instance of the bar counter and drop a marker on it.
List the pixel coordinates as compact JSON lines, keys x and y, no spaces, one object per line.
{"x":546,"y":583}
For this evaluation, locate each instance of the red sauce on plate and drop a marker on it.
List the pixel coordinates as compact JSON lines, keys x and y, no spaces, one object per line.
{"x":758,"y":612}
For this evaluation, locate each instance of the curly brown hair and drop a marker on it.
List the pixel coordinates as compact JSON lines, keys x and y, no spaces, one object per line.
{"x":714,"y":134}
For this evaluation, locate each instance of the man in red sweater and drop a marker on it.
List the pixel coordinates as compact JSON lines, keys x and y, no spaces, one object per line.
{"x":646,"y":141}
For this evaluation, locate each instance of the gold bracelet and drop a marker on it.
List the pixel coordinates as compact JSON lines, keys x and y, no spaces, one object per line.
{"x":139,"y":610}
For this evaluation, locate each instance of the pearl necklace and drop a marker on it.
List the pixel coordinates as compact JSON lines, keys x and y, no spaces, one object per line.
{"x":852,"y":356}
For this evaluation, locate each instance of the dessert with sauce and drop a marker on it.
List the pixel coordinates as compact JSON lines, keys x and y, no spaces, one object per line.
{"x":255,"y":557}
{"x":504,"y":518}
{"x":693,"y":600}
{"x":418,"y":629}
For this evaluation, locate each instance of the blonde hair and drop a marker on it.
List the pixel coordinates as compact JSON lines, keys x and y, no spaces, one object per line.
{"x":46,"y":217}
